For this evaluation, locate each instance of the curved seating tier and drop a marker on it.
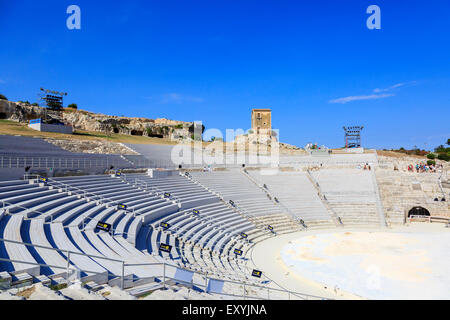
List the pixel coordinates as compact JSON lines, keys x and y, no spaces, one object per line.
{"x":295,"y":191}
{"x":232,"y":185}
{"x":350,"y":193}
{"x":63,"y":215}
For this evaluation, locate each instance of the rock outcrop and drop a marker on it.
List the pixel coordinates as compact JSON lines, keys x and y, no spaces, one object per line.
{"x":19,"y":112}
{"x":88,"y":121}
{"x":92,"y":146}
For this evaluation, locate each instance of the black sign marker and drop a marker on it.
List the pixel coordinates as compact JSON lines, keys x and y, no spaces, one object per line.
{"x":103,"y":226}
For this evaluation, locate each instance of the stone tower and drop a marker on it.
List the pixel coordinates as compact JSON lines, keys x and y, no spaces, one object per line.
{"x":262,"y":121}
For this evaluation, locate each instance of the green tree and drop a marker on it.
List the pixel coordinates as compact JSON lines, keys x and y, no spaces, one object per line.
{"x":73,"y":106}
{"x":3,"y":97}
{"x":439,"y":148}
{"x":431,"y":156}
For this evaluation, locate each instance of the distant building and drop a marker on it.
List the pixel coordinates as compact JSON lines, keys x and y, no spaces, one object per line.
{"x":56,"y":126}
{"x":262,"y":121}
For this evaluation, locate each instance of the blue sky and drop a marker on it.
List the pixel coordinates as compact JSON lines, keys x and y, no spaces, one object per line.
{"x":315,"y":63}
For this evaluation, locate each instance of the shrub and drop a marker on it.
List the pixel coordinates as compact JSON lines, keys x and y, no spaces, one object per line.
{"x":431,"y":162}
{"x":3,"y":97}
{"x":73,"y":106}
{"x":431,"y":156}
{"x":56,"y":287}
{"x":444,"y":156}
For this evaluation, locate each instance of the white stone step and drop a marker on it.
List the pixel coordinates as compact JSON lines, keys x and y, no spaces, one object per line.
{"x":21,"y":280}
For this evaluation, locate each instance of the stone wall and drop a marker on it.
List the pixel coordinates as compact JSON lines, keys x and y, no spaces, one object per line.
{"x":401,"y":191}
{"x":262,"y":121}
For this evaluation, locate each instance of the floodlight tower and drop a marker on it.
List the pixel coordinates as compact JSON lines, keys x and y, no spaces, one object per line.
{"x":52,"y":100}
{"x":353,"y":136}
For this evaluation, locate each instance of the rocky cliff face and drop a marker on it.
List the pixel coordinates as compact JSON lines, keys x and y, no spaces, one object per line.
{"x":19,"y":112}
{"x":79,"y":119}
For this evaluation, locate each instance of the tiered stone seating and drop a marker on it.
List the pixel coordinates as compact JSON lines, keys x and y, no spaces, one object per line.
{"x":295,"y":191}
{"x":63,"y":213}
{"x":232,"y":185}
{"x":401,"y":190}
{"x":199,"y":239}
{"x":332,"y":160}
{"x":181,"y":188}
{"x":351,"y":194}
{"x":59,"y":225}
{"x":16,"y":251}
{"x":20,"y":152}
{"x":250,"y":200}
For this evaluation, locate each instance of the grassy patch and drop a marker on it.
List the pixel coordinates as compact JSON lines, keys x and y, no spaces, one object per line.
{"x":57,"y":287}
{"x":106,"y":293}
{"x":8,"y":127}
{"x":395,"y":154}
{"x":26,"y":293}
{"x":145,"y":295}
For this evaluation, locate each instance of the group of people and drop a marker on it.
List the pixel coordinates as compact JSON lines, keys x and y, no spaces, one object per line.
{"x":422,"y":167}
{"x":207,"y":168}
{"x":365,"y":167}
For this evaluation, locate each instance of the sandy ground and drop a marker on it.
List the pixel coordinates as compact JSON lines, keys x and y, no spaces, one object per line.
{"x":402,"y":263}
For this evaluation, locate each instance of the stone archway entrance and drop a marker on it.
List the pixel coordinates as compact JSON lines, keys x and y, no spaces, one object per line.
{"x":418,"y":211}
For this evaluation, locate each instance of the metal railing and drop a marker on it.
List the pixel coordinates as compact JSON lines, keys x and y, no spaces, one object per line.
{"x":68,"y":267}
{"x":274,"y":199}
{"x":180,"y":232}
{"x":378,"y":201}
{"x":58,"y":162}
{"x":8,"y":206}
{"x":149,"y":188}
{"x":441,"y":219}
{"x":242,"y":212}
{"x":88,"y":195}
{"x":316,"y":185}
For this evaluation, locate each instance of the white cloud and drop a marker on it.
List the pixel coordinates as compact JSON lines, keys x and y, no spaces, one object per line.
{"x":377,"y":93}
{"x":363,"y":97}
{"x":398,"y":85}
{"x":178,"y":98}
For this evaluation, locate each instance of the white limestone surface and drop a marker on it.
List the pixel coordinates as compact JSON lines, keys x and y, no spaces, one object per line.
{"x":42,"y":292}
{"x":374,"y":265}
{"x":76,"y":292}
